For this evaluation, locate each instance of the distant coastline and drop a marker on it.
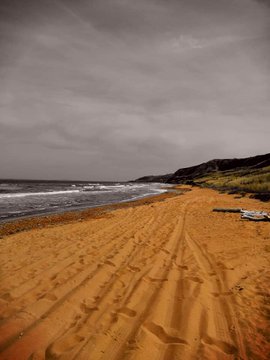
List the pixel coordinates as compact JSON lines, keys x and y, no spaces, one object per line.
{"x":242,"y":176}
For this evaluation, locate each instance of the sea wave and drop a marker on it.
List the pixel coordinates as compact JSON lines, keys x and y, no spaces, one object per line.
{"x":92,"y":188}
{"x":136,"y":197}
{"x":43,"y":198}
{"x":117,"y":187}
{"x":2,"y":196}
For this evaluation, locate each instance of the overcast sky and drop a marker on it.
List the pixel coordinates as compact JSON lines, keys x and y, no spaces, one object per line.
{"x":117,"y":89}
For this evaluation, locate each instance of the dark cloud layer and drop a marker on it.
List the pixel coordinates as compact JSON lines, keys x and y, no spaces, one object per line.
{"x":116,"y":89}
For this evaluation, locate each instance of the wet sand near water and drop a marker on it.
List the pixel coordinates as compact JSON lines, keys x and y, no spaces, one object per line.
{"x":165,"y":278}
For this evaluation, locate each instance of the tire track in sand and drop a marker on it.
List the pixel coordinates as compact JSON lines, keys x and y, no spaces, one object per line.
{"x":101,"y":318}
{"x":61,"y":252}
{"x":120,"y":334}
{"x":163,"y":334}
{"x":219,"y":319}
{"x":85,"y":277}
{"x":193,"y":317}
{"x":151,"y":292}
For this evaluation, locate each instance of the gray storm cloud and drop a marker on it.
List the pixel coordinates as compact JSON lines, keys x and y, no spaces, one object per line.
{"x":113,"y":90}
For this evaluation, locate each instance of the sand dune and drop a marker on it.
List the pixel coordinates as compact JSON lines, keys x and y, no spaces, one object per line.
{"x":163,"y":280}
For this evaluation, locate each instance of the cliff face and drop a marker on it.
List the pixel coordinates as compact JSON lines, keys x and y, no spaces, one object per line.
{"x":193,"y":172}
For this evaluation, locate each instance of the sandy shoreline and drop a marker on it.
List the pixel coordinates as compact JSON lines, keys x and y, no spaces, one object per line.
{"x":65,"y":216}
{"x":162,"y":278}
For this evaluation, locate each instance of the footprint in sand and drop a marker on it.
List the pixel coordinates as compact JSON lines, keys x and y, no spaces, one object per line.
{"x":127,"y":312}
{"x":180,"y":267}
{"x":165,"y":251}
{"x":49,"y":296}
{"x":134,"y":268}
{"x":53,"y":277}
{"x":162,"y":335}
{"x":108,"y":262}
{"x":195,"y":279}
{"x":88,"y":306}
{"x":65,"y":344}
{"x":222,"y":346}
{"x":226,"y":293}
{"x":7,"y":296}
{"x":153,"y":280}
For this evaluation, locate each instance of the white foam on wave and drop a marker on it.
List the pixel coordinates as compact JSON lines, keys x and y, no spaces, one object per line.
{"x":92,"y":189}
{"x":113,"y":188}
{"x":3,"y":196}
{"x":136,"y":197}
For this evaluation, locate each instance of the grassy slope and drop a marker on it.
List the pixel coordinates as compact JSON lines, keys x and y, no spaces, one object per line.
{"x":251,"y":180}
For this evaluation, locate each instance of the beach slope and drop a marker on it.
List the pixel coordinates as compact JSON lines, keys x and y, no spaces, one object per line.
{"x":166,"y":279}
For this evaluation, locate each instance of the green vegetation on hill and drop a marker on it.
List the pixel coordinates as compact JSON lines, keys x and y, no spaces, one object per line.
{"x":245,"y":175}
{"x":247,"y":180}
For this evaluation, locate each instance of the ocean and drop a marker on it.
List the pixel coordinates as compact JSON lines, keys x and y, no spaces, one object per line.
{"x":22,"y":198}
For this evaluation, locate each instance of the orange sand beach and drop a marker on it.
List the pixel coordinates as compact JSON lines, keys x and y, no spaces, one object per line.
{"x":165,"y":278}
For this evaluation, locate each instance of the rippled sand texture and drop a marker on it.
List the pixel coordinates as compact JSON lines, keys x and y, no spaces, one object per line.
{"x":168,"y":280}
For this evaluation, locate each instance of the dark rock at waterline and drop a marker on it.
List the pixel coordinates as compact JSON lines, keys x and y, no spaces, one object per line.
{"x":261,"y":196}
